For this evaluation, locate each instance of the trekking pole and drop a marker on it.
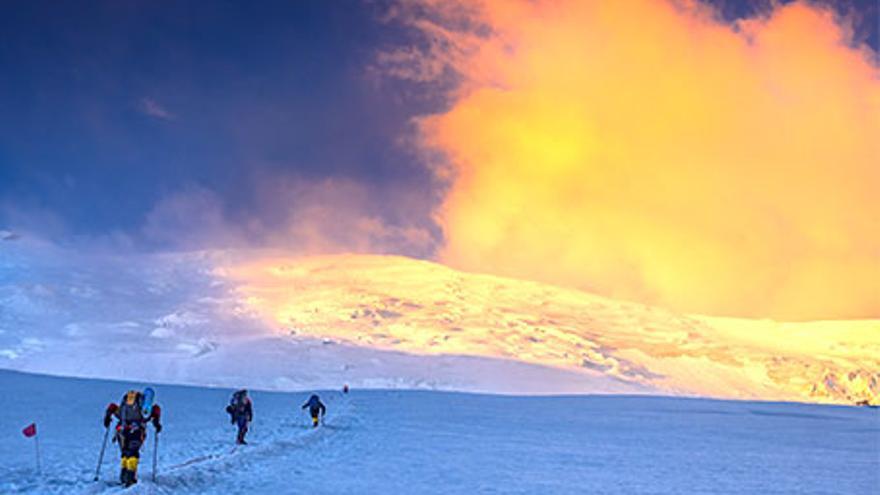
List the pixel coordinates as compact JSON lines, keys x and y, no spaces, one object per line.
{"x":155,"y":454}
{"x":101,"y":457}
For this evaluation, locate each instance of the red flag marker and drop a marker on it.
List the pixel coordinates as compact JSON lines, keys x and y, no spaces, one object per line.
{"x":30,"y":430}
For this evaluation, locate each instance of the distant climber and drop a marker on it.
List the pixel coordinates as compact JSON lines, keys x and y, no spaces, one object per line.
{"x":133,"y":413}
{"x":345,"y":389}
{"x":241,"y":412}
{"x":316,"y":407}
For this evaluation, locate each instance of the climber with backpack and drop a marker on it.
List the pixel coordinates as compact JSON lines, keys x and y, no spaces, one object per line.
{"x":315,"y":407}
{"x":241,"y":412}
{"x":133,"y":412}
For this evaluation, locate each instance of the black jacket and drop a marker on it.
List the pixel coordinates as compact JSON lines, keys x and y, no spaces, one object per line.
{"x":246,"y":410}
{"x":315,"y":406}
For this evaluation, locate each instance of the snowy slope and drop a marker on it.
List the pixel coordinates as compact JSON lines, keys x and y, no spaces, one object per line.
{"x":421,"y":307}
{"x":385,"y":321}
{"x":435,"y":442}
{"x":170,"y":318}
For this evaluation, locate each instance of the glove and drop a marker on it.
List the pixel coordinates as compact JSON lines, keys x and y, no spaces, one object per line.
{"x":158,"y":427}
{"x":108,"y":414}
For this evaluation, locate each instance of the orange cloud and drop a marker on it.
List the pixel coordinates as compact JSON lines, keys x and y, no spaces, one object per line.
{"x":646,"y":150}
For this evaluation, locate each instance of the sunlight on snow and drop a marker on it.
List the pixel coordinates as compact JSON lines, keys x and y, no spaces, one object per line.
{"x":420,"y":307}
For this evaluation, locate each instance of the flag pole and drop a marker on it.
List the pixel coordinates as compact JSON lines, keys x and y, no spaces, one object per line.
{"x":37,"y":444}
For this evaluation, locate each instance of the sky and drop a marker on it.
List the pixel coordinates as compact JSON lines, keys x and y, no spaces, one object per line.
{"x":645,"y":150}
{"x":115,"y":112}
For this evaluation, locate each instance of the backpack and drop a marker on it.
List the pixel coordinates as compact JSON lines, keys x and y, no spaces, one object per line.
{"x":131,"y":408}
{"x":238,"y":403}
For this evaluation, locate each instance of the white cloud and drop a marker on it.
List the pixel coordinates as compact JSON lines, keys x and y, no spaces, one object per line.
{"x":153,"y":108}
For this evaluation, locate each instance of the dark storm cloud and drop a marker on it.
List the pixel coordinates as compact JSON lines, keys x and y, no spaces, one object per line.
{"x":112,"y":111}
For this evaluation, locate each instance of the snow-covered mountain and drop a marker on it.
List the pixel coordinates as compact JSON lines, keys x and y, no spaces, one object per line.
{"x":435,"y":442}
{"x":425,"y":308}
{"x":262,"y":320}
{"x":173,"y":319}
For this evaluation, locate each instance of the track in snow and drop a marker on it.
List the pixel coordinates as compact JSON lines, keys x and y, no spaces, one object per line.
{"x":430,"y":442}
{"x":237,"y":468}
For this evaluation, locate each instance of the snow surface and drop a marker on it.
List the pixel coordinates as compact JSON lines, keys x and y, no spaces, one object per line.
{"x":392,"y":322}
{"x":440,"y":442}
{"x":81,"y":314}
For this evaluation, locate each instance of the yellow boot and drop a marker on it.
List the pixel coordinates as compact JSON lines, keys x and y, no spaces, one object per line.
{"x":128,"y":476}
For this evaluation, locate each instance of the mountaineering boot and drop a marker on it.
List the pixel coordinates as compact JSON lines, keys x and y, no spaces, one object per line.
{"x":123,"y":474}
{"x":128,"y":476}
